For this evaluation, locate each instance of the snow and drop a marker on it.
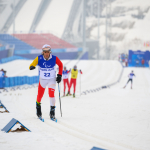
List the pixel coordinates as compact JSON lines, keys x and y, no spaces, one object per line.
{"x":113,"y":118}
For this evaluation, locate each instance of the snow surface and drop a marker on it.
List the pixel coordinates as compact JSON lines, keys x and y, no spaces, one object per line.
{"x":113,"y":118}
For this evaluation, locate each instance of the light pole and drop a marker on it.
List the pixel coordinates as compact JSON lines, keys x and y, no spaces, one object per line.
{"x":84,"y":26}
{"x":98,"y":36}
{"x":14,"y":17}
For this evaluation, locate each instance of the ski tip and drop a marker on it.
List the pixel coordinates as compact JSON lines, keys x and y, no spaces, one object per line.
{"x":41,"y":119}
{"x":54,"y":120}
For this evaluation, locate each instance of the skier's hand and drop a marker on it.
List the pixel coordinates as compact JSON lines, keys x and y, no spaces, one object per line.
{"x":32,"y":67}
{"x":58,"y":78}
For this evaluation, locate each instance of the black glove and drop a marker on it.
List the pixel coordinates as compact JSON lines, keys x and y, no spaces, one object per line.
{"x":58,"y":78}
{"x":32,"y":67}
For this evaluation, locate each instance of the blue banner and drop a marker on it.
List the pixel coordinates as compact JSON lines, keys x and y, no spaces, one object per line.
{"x":138,"y":58}
{"x":16,"y":81}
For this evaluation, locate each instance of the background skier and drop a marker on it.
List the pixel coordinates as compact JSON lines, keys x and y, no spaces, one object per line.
{"x":65,"y":78}
{"x":131,"y":75}
{"x":74,"y":74}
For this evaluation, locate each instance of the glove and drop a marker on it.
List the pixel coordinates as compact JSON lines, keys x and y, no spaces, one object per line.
{"x":32,"y":67}
{"x":58,"y":78}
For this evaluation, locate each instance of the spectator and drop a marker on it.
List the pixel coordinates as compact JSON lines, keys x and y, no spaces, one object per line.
{"x":2,"y":74}
{"x":137,"y":62}
{"x":143,"y":62}
{"x":126,"y":61}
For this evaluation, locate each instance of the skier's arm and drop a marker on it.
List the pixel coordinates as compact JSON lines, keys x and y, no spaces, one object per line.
{"x":80,"y":71}
{"x":33,"y":64}
{"x":59,"y":63}
{"x":69,"y":71}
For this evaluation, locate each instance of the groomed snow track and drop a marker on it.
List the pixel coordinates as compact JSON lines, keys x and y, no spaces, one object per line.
{"x":113,"y":118}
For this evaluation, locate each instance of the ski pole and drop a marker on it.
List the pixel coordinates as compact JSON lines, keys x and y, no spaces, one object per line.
{"x":80,"y":84}
{"x":59,"y":99}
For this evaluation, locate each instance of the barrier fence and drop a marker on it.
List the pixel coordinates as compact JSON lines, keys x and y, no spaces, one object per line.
{"x":16,"y":81}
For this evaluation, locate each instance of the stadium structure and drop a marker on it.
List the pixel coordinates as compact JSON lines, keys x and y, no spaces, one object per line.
{"x":111,"y":27}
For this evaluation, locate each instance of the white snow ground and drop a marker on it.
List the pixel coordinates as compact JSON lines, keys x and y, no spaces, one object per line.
{"x":114,"y":118}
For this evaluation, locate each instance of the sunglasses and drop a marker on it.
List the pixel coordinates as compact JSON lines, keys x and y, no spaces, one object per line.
{"x":46,"y":51}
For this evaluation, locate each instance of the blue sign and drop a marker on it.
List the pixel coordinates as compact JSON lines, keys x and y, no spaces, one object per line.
{"x":138,"y":58}
{"x":16,"y":81}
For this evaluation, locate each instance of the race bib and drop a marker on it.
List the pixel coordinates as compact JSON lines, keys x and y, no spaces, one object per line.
{"x":47,"y":73}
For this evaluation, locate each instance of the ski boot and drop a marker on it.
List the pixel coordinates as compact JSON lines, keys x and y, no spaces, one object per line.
{"x":52,"y":113}
{"x":68,"y":94}
{"x":38,"y":110}
{"x":74,"y":95}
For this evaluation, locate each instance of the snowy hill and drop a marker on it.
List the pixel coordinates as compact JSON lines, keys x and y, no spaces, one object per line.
{"x":113,"y":118}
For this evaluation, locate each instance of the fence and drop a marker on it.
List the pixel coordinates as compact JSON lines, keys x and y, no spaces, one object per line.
{"x":16,"y":81}
{"x":8,"y":59}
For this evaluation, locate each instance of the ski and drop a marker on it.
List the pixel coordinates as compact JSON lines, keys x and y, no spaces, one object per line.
{"x":66,"y":95}
{"x":55,"y":120}
{"x":63,"y":96}
{"x":41,"y":119}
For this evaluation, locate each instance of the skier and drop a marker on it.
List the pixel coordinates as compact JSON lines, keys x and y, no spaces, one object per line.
{"x":130,"y":78}
{"x":65,"y":78}
{"x":47,"y":65}
{"x":74,"y":74}
{"x":143,"y":62}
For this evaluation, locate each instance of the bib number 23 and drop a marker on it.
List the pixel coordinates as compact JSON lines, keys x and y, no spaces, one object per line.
{"x":46,"y":74}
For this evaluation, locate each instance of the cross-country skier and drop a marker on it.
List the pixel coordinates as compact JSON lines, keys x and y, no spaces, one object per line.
{"x":65,"y":78}
{"x":74,"y":74}
{"x":47,"y":72}
{"x":131,"y":75}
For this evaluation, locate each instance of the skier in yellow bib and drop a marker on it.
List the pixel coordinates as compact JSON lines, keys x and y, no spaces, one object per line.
{"x":74,"y":74}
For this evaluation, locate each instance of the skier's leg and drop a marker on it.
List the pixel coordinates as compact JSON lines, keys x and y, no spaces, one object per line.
{"x":74,"y":84}
{"x":127,"y":83}
{"x":67,"y":83}
{"x":70,"y":86}
{"x":40,"y":93}
{"x":51,"y":91}
{"x":131,"y":83}
{"x":41,"y":89}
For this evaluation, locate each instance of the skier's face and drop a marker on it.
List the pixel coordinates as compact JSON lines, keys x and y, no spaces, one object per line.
{"x":46,"y":53}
